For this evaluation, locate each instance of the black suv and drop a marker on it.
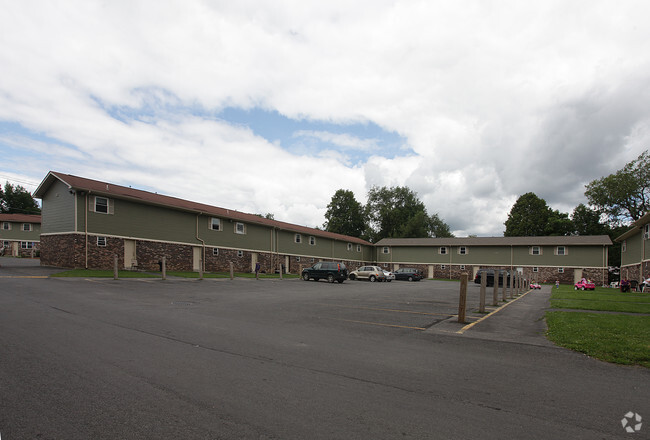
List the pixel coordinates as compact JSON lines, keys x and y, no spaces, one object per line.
{"x":490,"y":277}
{"x":328,"y":270}
{"x":408,"y":273}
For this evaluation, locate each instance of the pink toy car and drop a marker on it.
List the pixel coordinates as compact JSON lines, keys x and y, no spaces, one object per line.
{"x":584,"y":285}
{"x":535,"y":286}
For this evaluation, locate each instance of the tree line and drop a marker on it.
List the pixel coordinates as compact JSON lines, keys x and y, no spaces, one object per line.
{"x":390,"y":212}
{"x":17,"y":200}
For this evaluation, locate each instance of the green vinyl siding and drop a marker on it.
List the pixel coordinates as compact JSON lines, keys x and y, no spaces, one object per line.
{"x":16,"y":232}
{"x":633,"y":249}
{"x":256,"y":237}
{"x":58,"y":210}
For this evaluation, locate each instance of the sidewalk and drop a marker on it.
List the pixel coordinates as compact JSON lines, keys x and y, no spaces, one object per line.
{"x":519,"y":320}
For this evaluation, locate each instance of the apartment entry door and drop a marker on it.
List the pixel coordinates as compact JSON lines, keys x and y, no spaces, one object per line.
{"x":196,"y":260}
{"x":130,"y":260}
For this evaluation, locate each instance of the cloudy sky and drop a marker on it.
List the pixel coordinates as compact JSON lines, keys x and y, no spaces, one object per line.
{"x":270,"y":107}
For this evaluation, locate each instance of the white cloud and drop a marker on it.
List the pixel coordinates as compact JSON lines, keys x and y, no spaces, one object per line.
{"x":495,"y":99}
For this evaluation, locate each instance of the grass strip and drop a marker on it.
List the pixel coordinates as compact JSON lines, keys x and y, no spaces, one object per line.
{"x":88,"y":273}
{"x":602,"y":298}
{"x":621,"y":339}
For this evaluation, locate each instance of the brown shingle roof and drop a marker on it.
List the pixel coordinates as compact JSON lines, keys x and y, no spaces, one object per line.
{"x":20,"y":218}
{"x":590,"y":240}
{"x":117,"y":191}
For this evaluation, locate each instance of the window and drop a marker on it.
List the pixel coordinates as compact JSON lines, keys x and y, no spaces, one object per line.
{"x":442,"y":266}
{"x":101,"y":241}
{"x":215,"y":224}
{"x":560,"y":270}
{"x":386,"y":250}
{"x":27,"y":227}
{"x":6,"y":226}
{"x":462,"y":267}
{"x":26,"y":245}
{"x":349,"y":246}
{"x":358,"y":248}
{"x":312,"y":240}
{"x":311,"y":260}
{"x":463,"y":250}
{"x":646,"y":233}
{"x":101,"y":205}
{"x":298,"y":259}
{"x":442,"y":250}
{"x":6,"y":244}
{"x":215,"y":252}
{"x":535,"y":250}
{"x":240,"y":253}
{"x":297,"y":238}
{"x":240,"y":228}
{"x":624,"y":246}
{"x":561,"y":250}
{"x":535,"y":269}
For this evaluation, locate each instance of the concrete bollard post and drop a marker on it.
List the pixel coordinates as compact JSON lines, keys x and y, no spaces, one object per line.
{"x":200,"y":269}
{"x":495,"y":290}
{"x":512,"y":284}
{"x":281,"y":270}
{"x":462,"y":300}
{"x":481,"y":306}
{"x":232,"y":272}
{"x":163,"y":268}
{"x":115,"y":272}
{"x":503,"y":289}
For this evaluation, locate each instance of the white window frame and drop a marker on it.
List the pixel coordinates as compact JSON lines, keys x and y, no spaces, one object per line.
{"x":462,"y":267}
{"x":564,"y":250}
{"x":297,"y":238}
{"x":442,"y":250}
{"x":312,"y":240}
{"x":6,"y":226}
{"x":215,"y":252}
{"x":108,"y":205}
{"x":535,"y":269}
{"x":560,"y":270}
{"x":358,"y":248}
{"x":532,"y":250}
{"x":311,"y":260}
{"x":101,"y":241}
{"x":624,"y":246}
{"x":29,"y":227}
{"x":297,"y":259}
{"x":385,"y":250}
{"x":215,"y":221}
{"x":238,"y":230}
{"x":26,"y":244}
{"x":349,"y":246}
{"x":463,"y":250}
{"x":443,"y":266}
{"x":646,"y":231}
{"x":240,"y":253}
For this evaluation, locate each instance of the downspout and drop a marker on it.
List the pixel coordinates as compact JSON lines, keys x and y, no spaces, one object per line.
{"x":86,"y":229}
{"x":202,"y":242}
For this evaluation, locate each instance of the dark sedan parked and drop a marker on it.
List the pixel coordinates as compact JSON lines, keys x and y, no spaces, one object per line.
{"x":408,"y":274}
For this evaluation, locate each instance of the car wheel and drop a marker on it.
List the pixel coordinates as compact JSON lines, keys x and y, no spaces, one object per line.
{"x":575,"y":288}
{"x":389,"y":280}
{"x":305,"y":276}
{"x":372,"y":278}
{"x":330,"y":278}
{"x":353,"y":277}
{"x":340,"y":281}
{"x":410,"y":278}
{"x":582,"y":288}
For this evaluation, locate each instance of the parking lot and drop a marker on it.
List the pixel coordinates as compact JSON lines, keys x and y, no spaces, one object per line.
{"x":286,"y":359}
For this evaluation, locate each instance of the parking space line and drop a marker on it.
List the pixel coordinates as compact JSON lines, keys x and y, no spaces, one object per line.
{"x":24,"y":276}
{"x":388,"y":310}
{"x":377,"y":323}
{"x":469,"y":326}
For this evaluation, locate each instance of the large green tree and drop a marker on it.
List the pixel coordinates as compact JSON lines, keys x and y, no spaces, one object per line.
{"x":530,"y":216}
{"x":17,"y":200}
{"x":623,"y":196}
{"x":345,"y":215}
{"x":396,"y":212}
{"x":586,"y":221}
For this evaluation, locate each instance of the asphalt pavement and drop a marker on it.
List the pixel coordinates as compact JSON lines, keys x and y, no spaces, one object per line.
{"x":271,"y":359}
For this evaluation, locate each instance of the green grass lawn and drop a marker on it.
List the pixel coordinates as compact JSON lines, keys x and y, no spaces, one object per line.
{"x":86,"y":273}
{"x":611,"y":337}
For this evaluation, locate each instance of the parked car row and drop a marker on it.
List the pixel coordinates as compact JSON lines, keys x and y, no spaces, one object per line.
{"x":337,"y":271}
